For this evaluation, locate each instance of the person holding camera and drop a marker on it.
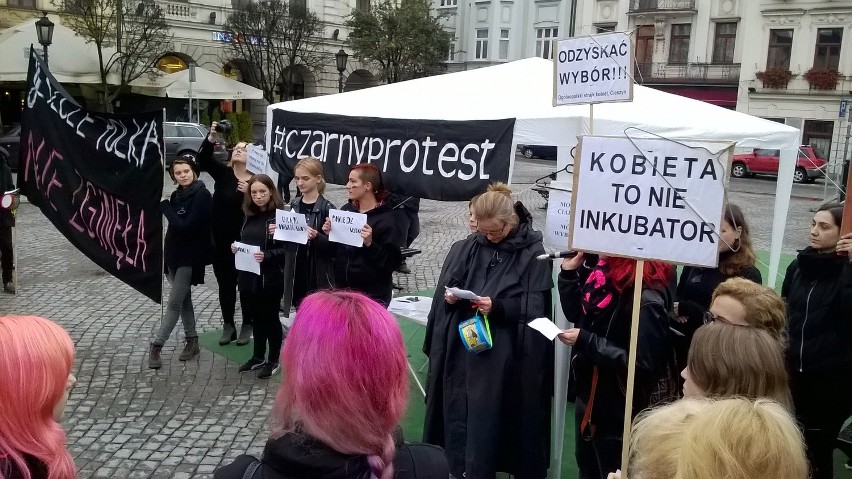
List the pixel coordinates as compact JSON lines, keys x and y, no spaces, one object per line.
{"x":231,"y":182}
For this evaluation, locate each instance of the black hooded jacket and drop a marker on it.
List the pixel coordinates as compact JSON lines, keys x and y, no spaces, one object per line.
{"x":818,"y":290}
{"x":188,"y":239}
{"x":227,"y":200}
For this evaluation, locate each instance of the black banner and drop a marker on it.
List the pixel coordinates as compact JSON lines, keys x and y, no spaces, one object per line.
{"x":98,"y":178}
{"x":435,"y":159}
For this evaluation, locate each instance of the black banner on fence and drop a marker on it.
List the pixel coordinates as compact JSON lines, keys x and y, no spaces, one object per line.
{"x":97,"y":177}
{"x":435,"y":159}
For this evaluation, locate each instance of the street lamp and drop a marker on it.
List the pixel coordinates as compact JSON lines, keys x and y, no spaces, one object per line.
{"x":44,"y":30}
{"x":340,"y":57}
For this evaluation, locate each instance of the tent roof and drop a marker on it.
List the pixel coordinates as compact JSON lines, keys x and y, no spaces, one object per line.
{"x":72,"y":60}
{"x":523,"y":90}
{"x":208,"y":86}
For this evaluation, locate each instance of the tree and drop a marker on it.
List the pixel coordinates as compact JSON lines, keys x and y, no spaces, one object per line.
{"x":129,"y":38}
{"x":403,"y":39}
{"x":275,"y":40}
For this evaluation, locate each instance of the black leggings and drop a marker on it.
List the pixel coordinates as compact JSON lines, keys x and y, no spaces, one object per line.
{"x":6,"y":258}
{"x":226,"y":277}
{"x":262,"y":308}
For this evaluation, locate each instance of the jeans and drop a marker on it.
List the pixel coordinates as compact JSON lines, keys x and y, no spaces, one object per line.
{"x":262,"y":308}
{"x":178,"y":304}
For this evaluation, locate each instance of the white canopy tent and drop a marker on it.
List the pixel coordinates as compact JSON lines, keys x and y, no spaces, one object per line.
{"x":72,"y":60}
{"x":208,"y":86}
{"x":523,"y":90}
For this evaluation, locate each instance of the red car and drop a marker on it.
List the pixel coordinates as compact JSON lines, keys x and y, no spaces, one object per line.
{"x":810,"y":164}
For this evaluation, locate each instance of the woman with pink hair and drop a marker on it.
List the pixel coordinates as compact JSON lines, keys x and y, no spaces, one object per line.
{"x":36,"y":356}
{"x":344,"y":391}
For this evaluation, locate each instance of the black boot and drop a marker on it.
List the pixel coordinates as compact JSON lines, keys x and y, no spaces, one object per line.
{"x":245,"y":335}
{"x":154,"y":360}
{"x":229,"y":333}
{"x":190,"y":350}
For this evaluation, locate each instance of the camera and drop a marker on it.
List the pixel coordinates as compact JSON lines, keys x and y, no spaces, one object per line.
{"x":224,"y":127}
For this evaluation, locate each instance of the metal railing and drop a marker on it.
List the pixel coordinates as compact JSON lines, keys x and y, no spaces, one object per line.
{"x":721,"y":72}
{"x":179,"y":10}
{"x":660,"y":5}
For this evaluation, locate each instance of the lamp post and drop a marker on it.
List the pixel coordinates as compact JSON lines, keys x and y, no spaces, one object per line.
{"x":340,"y":57}
{"x":44,"y":30}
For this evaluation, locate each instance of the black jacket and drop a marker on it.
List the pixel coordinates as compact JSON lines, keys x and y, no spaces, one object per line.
{"x":227,"y":200}
{"x":255,"y":232}
{"x":318,"y":272}
{"x":818,"y":290}
{"x":295,"y":456}
{"x":369,"y":269}
{"x":603,"y":343}
{"x":36,"y":468}
{"x":6,"y":184}
{"x":188,"y":241}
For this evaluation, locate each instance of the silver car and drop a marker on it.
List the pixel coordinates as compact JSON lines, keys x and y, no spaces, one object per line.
{"x":183,"y":138}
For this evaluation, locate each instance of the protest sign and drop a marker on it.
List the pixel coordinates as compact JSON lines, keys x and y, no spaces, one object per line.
{"x":558,"y":216}
{"x":593,"y":69}
{"x":434,"y":159}
{"x":257,"y":161}
{"x":649,"y":198}
{"x":290,"y":226}
{"x":97,"y":177}
{"x":244,"y":258}
{"x":346,"y":227}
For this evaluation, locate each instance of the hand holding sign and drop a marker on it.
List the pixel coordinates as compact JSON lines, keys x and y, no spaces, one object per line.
{"x":346,"y":227}
{"x":257,"y":159}
{"x":291,"y":226}
{"x":245,"y":258}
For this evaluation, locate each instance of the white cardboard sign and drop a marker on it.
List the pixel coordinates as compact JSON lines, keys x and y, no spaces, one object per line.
{"x":290,"y":226}
{"x":558,"y":217}
{"x":346,"y":227}
{"x":649,"y":198}
{"x":258,"y":160}
{"x":244,"y":258}
{"x":593,"y":69}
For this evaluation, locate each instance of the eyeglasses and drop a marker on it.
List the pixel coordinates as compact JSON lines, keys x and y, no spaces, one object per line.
{"x":709,"y":317}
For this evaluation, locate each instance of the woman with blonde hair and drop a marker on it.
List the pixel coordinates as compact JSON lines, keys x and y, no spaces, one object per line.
{"x":700,"y":438}
{"x":735,"y":360}
{"x":745,"y":302}
{"x":490,"y":410}
{"x":36,"y":357}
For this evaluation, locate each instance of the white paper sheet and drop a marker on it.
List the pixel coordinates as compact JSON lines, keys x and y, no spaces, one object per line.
{"x":290,"y":226}
{"x":257,"y":159}
{"x":545,"y":327}
{"x":463,"y":294}
{"x":244,"y":258}
{"x":346,"y":227}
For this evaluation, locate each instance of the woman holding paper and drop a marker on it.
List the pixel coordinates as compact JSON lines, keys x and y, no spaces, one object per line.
{"x":368,"y":269}
{"x":818,"y":290}
{"x":490,"y":410}
{"x":228,"y":193}
{"x":597,"y":296}
{"x":186,"y":252}
{"x":260,"y":294}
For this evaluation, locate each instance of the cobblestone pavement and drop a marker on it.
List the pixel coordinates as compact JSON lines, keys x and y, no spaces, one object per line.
{"x":186,"y":419}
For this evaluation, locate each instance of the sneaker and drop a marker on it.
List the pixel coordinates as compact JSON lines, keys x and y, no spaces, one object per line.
{"x":9,"y":287}
{"x":190,"y":349}
{"x":154,"y":360}
{"x":268,"y":370}
{"x":251,"y":365}
{"x":229,"y":333}
{"x":245,"y":335}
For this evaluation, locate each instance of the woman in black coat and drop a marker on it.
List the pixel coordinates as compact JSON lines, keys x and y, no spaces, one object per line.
{"x":818,"y":290}
{"x":230,"y":185}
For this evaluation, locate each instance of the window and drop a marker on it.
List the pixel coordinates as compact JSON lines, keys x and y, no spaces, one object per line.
{"x":189,"y":132}
{"x":22,"y":3}
{"x":362,"y":5}
{"x":817,"y":133}
{"x":610,"y":27}
{"x":780,"y":49}
{"x":504,"y":44}
{"x":723,"y":43}
{"x":449,"y":3}
{"x":827,"y":53}
{"x":544,"y":42}
{"x":298,"y":7}
{"x":482,"y":44}
{"x":451,"y":54}
{"x":679,"y":49}
{"x":169,"y":131}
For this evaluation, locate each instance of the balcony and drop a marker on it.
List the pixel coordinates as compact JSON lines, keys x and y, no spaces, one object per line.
{"x":714,"y":73}
{"x":661,"y":6}
{"x":179,"y":11}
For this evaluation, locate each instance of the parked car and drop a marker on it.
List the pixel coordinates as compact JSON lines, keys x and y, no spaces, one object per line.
{"x":183,"y":138}
{"x":810,"y":164}
{"x":545,"y":152}
{"x":10,"y":140}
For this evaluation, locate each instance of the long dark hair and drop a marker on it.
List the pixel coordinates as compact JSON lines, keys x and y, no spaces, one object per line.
{"x":251,"y":209}
{"x":743,"y":256}
{"x":835,"y":210}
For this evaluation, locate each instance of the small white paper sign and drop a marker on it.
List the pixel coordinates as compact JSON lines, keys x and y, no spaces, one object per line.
{"x":290,"y":226}
{"x":558,"y":219}
{"x":463,"y":294}
{"x":346,"y":227}
{"x":258,"y":160}
{"x":244,"y":258}
{"x":545,"y":327}
{"x":593,"y":69}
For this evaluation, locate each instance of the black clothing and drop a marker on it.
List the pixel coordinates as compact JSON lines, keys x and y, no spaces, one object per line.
{"x":818,"y":290}
{"x":491,"y":411}
{"x":296,"y":456}
{"x":188,"y":237}
{"x":261,"y":310}
{"x":452,"y":259}
{"x":36,"y":468}
{"x":602,"y":345}
{"x":228,"y":212}
{"x":7,"y":221}
{"x":314,"y":266}
{"x":410,"y":208}
{"x":6,"y":184}
{"x":369,"y":269}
